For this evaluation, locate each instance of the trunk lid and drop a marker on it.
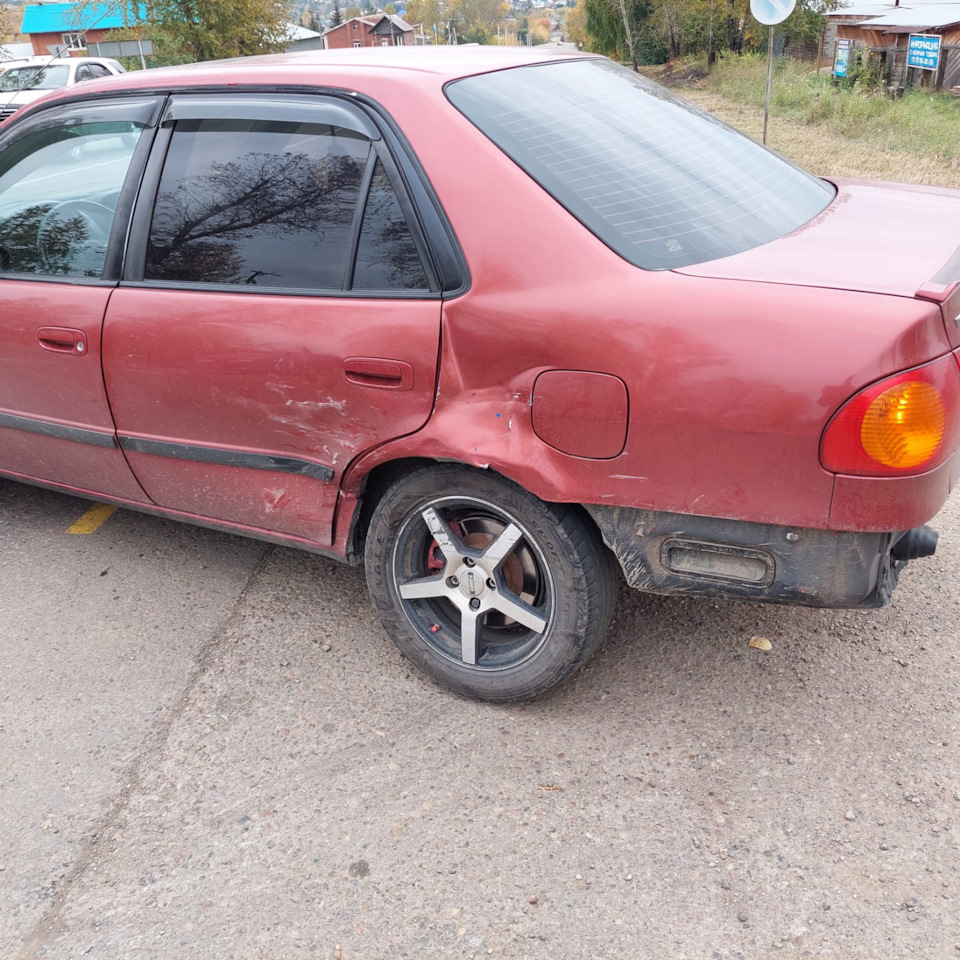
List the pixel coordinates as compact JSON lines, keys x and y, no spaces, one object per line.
{"x":889,"y":238}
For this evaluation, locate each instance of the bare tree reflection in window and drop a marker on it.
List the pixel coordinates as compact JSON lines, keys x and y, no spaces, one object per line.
{"x":39,"y":240}
{"x":269,"y":217}
{"x":387,"y":257}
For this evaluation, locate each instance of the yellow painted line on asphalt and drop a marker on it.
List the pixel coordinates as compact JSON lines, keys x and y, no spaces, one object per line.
{"x":93,"y":519}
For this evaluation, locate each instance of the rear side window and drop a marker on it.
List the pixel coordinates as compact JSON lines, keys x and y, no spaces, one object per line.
{"x":661,"y":182}
{"x":257,"y":202}
{"x":386,"y":255}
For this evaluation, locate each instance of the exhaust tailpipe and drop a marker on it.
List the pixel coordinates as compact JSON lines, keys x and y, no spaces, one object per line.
{"x":915,"y":543}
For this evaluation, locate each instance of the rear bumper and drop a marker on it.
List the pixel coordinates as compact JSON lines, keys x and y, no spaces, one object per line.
{"x":892,"y":503}
{"x":673,"y":553}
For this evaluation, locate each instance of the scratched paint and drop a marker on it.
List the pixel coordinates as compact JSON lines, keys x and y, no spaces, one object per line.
{"x":272,"y":499}
{"x":328,"y":404}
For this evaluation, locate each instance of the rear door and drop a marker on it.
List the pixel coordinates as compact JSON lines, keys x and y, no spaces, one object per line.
{"x":68,"y":177}
{"x":278,"y":316}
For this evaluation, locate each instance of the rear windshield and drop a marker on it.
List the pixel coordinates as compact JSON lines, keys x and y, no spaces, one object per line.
{"x":658,"y":180}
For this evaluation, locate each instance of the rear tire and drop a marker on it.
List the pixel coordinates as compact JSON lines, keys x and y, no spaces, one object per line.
{"x":484,"y":587}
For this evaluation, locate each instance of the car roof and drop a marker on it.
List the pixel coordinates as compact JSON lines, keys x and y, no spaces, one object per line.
{"x":346,"y":68}
{"x":452,"y":61}
{"x":447,"y":62}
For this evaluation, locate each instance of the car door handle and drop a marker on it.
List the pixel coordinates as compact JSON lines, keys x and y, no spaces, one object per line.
{"x":379,"y":374}
{"x":62,"y":340}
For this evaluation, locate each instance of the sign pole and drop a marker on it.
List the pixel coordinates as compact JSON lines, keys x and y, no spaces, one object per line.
{"x":766,"y":102}
{"x":770,"y":13}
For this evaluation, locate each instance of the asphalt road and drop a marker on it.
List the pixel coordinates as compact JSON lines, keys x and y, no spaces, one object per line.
{"x":210,"y":750}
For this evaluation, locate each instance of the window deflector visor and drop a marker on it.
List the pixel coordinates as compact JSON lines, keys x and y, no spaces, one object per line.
{"x":139,"y":110}
{"x":291,"y":108}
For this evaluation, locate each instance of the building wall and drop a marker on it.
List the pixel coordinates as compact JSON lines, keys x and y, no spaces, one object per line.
{"x":398,"y":39}
{"x":800,"y":51}
{"x":311,"y":43}
{"x":893,"y":47}
{"x":347,"y":35}
{"x":46,"y":43}
{"x":866,"y":38}
{"x":358,"y":33}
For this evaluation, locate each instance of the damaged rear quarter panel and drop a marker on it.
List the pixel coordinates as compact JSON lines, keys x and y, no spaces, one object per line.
{"x":730,"y":383}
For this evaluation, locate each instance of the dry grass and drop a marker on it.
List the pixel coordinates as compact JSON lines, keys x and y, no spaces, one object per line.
{"x":824,"y":152}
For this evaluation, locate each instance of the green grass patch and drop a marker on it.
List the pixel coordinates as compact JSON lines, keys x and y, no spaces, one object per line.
{"x":919,"y":122}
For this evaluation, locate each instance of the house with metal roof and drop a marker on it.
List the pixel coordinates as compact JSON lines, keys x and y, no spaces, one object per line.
{"x":300,"y":38}
{"x":57,"y":27}
{"x":376,"y":30}
{"x":885,"y":28}
{"x":80,"y":28}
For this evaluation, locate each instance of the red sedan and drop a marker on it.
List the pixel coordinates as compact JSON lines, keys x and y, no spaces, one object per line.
{"x":496,"y":323}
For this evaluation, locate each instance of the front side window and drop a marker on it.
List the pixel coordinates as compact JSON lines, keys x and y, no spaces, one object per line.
{"x":661,"y":182}
{"x":59,"y":189}
{"x":257,"y":202}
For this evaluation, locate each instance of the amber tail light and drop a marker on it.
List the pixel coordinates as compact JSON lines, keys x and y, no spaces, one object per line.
{"x":905,"y":424}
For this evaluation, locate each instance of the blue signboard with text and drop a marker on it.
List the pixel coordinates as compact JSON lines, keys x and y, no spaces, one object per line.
{"x":842,"y":59}
{"x":923,"y":51}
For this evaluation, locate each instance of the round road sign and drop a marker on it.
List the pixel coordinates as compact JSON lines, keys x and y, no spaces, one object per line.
{"x":770,"y":12}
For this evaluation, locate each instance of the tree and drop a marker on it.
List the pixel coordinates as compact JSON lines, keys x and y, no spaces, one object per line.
{"x":351,"y":12}
{"x":619,"y":29}
{"x":10,"y":19}
{"x":430,"y":14}
{"x":523,"y":28}
{"x":218,"y":29}
{"x":539,"y":31}
{"x":389,"y":9}
{"x":807,"y":22}
{"x":667,"y":17}
{"x":469,"y":15}
{"x":735,"y":26}
{"x":336,"y":18}
{"x":651,"y":31}
{"x":576,"y":24}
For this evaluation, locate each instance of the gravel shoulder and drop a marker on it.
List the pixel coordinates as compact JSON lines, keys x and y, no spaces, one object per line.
{"x":686,"y":796}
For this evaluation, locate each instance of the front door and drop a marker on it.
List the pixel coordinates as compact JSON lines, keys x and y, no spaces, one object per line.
{"x":63,"y":176}
{"x":279,"y":319}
